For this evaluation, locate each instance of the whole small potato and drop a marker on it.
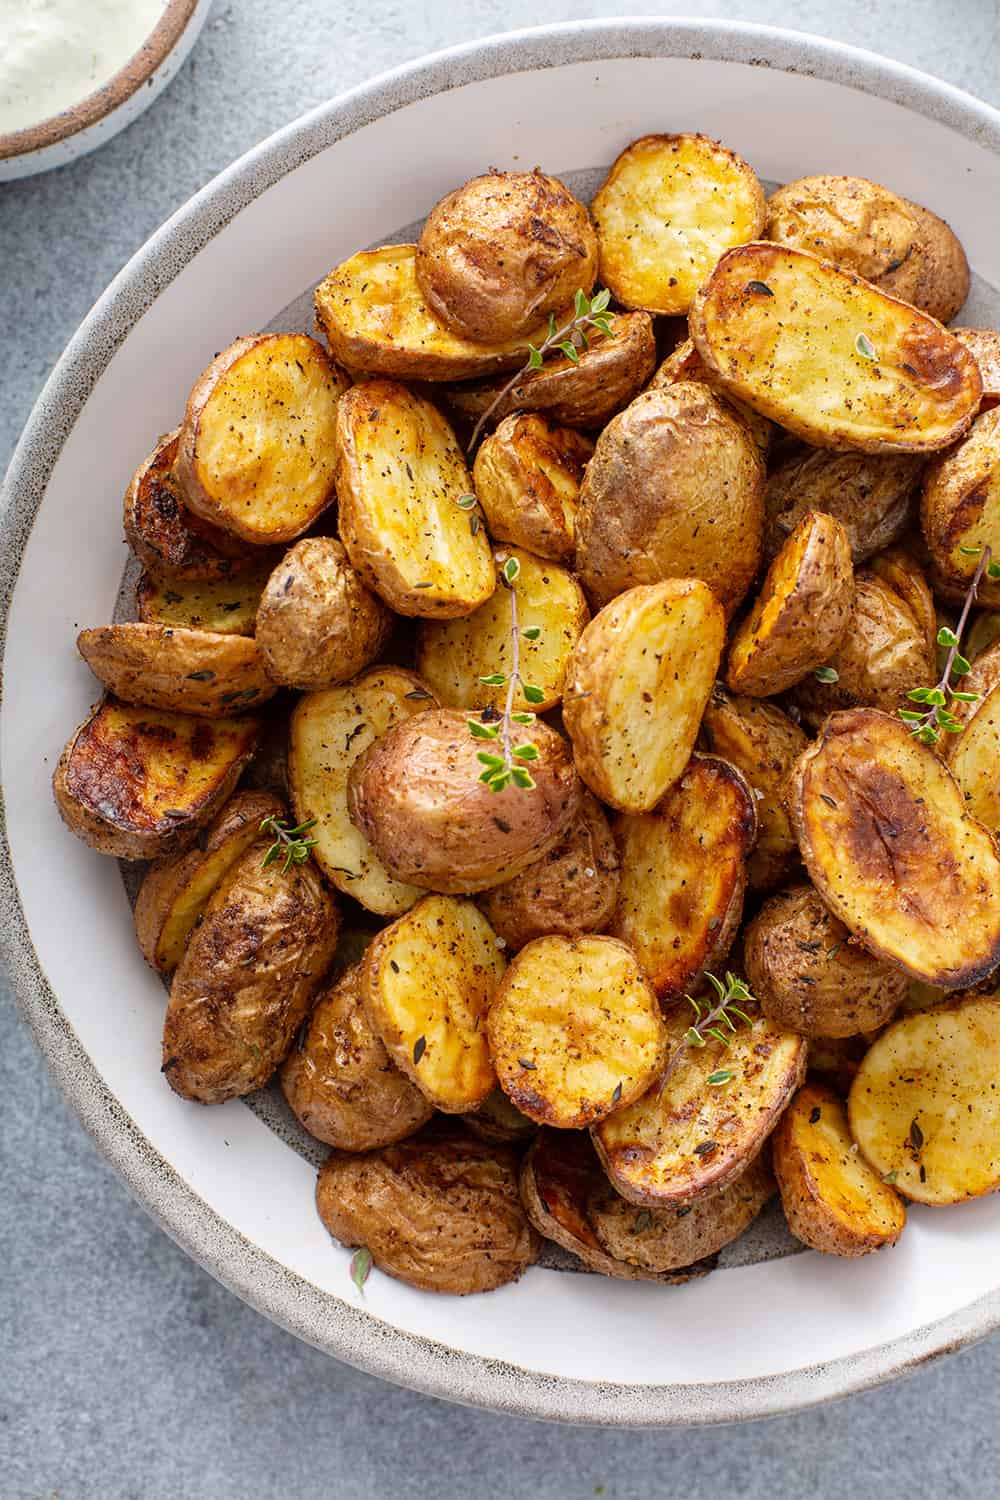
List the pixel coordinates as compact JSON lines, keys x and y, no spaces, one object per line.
{"x":317,"y":623}
{"x":685,"y":363}
{"x":808,"y":974}
{"x":503,"y":251}
{"x":527,"y":478}
{"x":870,"y":495}
{"x":417,"y":796}
{"x":960,"y":508}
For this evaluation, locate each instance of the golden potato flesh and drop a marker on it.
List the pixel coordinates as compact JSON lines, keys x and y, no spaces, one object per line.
{"x":831,"y":358}
{"x":255,"y":454}
{"x":223,"y":606}
{"x":809,"y":976}
{"x":684,"y":874}
{"x":527,"y":479}
{"x":637,"y":686}
{"x":984,"y":345}
{"x":974,"y":758}
{"x":177,"y":669}
{"x":960,"y":509}
{"x":887,"y":841}
{"x":503,"y":251}
{"x":669,"y":207}
{"x":674,"y":490}
{"x":833,"y":1200}
{"x":868,"y":493}
{"x":427,"y":982}
{"x":924,"y":1107}
{"x":400,"y":474}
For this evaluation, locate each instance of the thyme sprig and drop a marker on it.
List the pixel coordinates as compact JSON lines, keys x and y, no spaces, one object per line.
{"x":289,"y":843}
{"x":935,"y":714}
{"x":709,"y":1021}
{"x":588,"y":313}
{"x":511,"y":765}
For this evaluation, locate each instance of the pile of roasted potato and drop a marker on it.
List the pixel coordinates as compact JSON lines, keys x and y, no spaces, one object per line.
{"x":671,"y":582}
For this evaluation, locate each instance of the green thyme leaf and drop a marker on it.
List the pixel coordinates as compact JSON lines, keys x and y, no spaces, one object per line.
{"x":531,"y":632}
{"x":601,"y":302}
{"x":495,"y":679}
{"x":511,"y":570}
{"x":581,"y":304}
{"x":522,"y":778}
{"x":527,"y":752}
{"x":465,"y":502}
{"x":966,"y":697}
{"x":361,"y":1268}
{"x":946,"y":637}
{"x":865,"y":347}
{"x":961,"y":666}
{"x":693,"y":1037}
{"x":720,"y":1076}
{"x":826,"y":674}
{"x":482,"y":731}
{"x":570,"y":350}
{"x":532,"y":694}
{"x":970,"y":551}
{"x":534,"y":358}
{"x":522,"y":718}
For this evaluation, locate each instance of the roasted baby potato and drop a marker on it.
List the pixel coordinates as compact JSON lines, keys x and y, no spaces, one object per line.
{"x":901,"y":571}
{"x":399,"y":474}
{"x":808,"y":975}
{"x":831,"y":358}
{"x":669,"y":207}
{"x":636,"y":688}
{"x":801,"y":613}
{"x":674,"y":490}
{"x":924,"y":1107}
{"x":176,"y":890}
{"x":575,"y":1030}
{"x":502,"y":252}
{"x":684,"y":874}
{"x":572,"y":890}
{"x":763,"y":744}
{"x":527,"y":479}
{"x":328,"y":732}
{"x":673,"y":1147}
{"x":427,"y":982}
{"x":340,"y":1082}
{"x":318,"y":624}
{"x":870,"y":495}
{"x":418,"y":797}
{"x":939,"y":282}
{"x":983,"y":633}
{"x":974,"y":759}
{"x":138,"y":784}
{"x":454,"y":656}
{"x":832,"y":1198}
{"x":960,"y":510}
{"x":685,"y":363}
{"x":247,"y":977}
{"x":440,"y":1211}
{"x":176,"y":669}
{"x":888,"y":844}
{"x":255,"y":454}
{"x":984,"y":345}
{"x":496,"y":1120}
{"x":222,"y":606}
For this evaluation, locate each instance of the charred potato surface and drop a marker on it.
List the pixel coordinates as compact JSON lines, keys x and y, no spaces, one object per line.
{"x":527,"y":479}
{"x":177,"y":669}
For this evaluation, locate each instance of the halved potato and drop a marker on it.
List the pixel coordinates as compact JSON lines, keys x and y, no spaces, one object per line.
{"x":427,"y":981}
{"x":138,"y":783}
{"x":830,"y":357}
{"x":974,"y":758}
{"x":256,"y":447}
{"x":637,"y":686}
{"x":176,"y":669}
{"x":684,"y":874}
{"x":575,"y":1030}
{"x":763,"y":744}
{"x":925,"y":1108}
{"x":685,"y":363}
{"x":832,"y":1198}
{"x":669,"y":207}
{"x":455,"y":655}
{"x":870,"y":495}
{"x":527,"y":479}
{"x":692,"y":1137}
{"x":960,"y":508}
{"x":223,"y":606}
{"x":176,"y":890}
{"x":400,"y":474}
{"x":801,"y":613}
{"x":889,"y":845}
{"x":328,"y":732}
{"x":984,"y":345}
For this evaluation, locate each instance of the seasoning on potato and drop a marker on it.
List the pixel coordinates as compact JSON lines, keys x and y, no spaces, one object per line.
{"x":223,"y":606}
{"x":984,"y":345}
{"x":527,"y":479}
{"x":974,"y":761}
{"x":960,"y":510}
{"x":870,"y":495}
{"x":177,"y":669}
{"x":685,"y":363}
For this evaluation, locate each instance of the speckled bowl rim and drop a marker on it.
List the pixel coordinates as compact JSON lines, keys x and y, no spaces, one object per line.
{"x":319,"y":1318}
{"x":177,"y":16}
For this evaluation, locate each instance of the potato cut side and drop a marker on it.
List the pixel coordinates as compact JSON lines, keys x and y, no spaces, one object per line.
{"x":637,"y":686}
{"x":329,"y":731}
{"x":400,"y":474}
{"x":177,"y":669}
{"x":670,"y":206}
{"x":224,"y":606}
{"x":257,"y":442}
{"x":887,"y":841}
{"x":974,"y":758}
{"x":455,"y":655}
{"x":684,"y":874}
{"x":830,"y":357}
{"x":575,"y":1030}
{"x":694,"y":1137}
{"x":833,"y":1200}
{"x":428,"y":982}
{"x":925,"y":1107}
{"x":801,"y":613}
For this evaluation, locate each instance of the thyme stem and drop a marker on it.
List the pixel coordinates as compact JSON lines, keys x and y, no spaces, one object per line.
{"x":734,"y":989}
{"x":513,"y":682}
{"x":926,"y":726}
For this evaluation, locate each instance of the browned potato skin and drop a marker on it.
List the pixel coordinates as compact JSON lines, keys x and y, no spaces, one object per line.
{"x":317,"y":623}
{"x":527,"y":478}
{"x":181,"y":671}
{"x":502,"y":252}
{"x":960,"y":506}
{"x":247,"y":979}
{"x":809,"y":976}
{"x":416,"y":796}
{"x":984,"y":345}
{"x":440,"y":1211}
{"x":870,"y":495}
{"x":674,"y":490}
{"x":499,"y":1122}
{"x":340,"y":1082}
{"x":145,"y":813}
{"x":939,"y":282}
{"x":571,"y":890}
{"x":685,"y":363}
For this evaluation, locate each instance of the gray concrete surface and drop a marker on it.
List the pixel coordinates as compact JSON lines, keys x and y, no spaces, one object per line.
{"x":126,"y":1373}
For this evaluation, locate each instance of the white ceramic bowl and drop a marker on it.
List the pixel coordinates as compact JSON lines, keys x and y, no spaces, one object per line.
{"x":750,"y":1340}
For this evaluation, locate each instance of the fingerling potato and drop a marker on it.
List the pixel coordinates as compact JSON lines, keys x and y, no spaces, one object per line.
{"x":870,"y":494}
{"x":223,"y":606}
{"x":177,"y":669}
{"x":527,"y":477}
{"x":960,"y":509}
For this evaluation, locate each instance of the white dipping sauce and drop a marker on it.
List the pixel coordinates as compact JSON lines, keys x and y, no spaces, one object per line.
{"x":53,"y":53}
